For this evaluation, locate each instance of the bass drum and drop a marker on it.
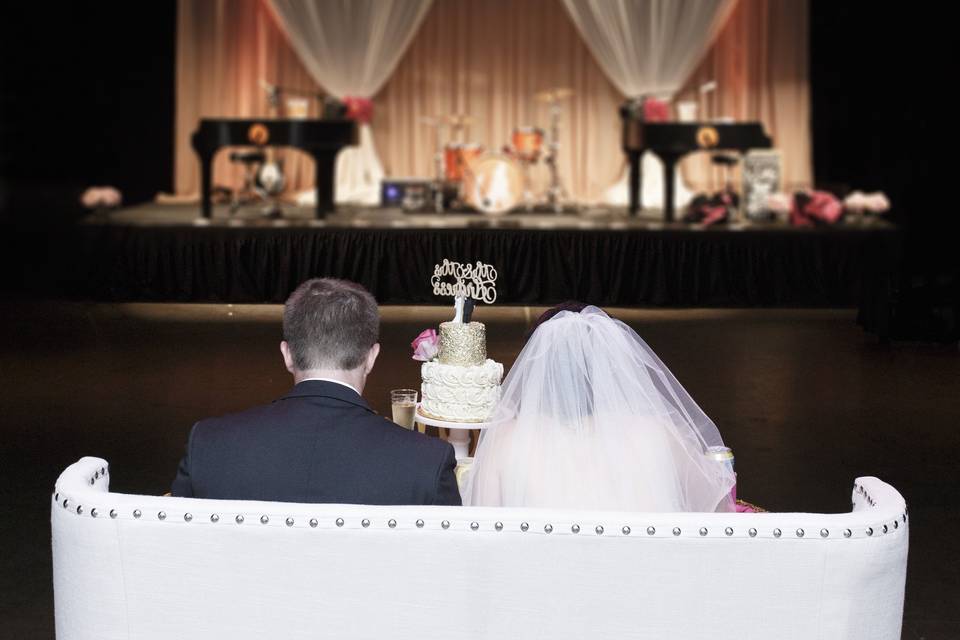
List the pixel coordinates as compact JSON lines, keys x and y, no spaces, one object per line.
{"x":493,"y":183}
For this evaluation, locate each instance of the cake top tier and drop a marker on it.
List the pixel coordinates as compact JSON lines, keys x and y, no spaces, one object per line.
{"x":463,"y":344}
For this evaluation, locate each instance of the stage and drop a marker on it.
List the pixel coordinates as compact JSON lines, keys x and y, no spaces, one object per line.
{"x":167,"y":253}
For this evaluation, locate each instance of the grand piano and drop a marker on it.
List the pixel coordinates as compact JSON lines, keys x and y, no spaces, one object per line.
{"x":670,"y":141}
{"x":322,"y":139}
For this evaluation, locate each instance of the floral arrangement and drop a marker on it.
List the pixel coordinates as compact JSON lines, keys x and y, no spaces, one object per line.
{"x":426,"y":346}
{"x":359,"y":109}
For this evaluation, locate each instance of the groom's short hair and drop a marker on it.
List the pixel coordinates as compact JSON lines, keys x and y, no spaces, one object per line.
{"x":330,"y":324}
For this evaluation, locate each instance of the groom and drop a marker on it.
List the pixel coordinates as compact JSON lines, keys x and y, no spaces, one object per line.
{"x":321,"y":442}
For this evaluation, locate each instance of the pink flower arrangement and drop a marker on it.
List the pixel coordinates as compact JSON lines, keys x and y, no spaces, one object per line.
{"x":426,"y":346}
{"x":359,"y":109}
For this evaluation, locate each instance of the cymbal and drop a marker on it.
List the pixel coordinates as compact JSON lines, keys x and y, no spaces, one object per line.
{"x":554,"y":94}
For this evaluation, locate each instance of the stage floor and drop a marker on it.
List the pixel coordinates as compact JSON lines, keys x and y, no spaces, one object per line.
{"x":587,"y":218}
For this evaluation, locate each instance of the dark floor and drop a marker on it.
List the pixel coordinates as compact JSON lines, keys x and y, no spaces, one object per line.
{"x":806,"y":400}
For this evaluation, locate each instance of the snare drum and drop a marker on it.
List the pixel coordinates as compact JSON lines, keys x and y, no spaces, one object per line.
{"x":456,"y":156}
{"x":493,"y":183}
{"x":527,"y":143}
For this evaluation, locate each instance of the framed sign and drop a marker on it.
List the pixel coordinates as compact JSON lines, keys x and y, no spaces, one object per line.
{"x":761,"y":179}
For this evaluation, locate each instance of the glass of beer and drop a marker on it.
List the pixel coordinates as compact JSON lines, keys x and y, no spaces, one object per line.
{"x":404,"y":404}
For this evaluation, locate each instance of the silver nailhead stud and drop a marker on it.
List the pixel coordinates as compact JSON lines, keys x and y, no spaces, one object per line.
{"x":599,"y":530}
{"x":445,"y":524}
{"x":752,"y":532}
{"x":626,"y":531}
{"x":113,"y":513}
{"x":728,"y":531}
{"x":676,"y":531}
{"x":824,"y":533}
{"x":94,"y":512}
{"x":103,"y":471}
{"x":904,"y":518}
{"x":91,"y":480}
{"x":364,"y":523}
{"x":264,"y":519}
{"x":214,"y":517}
{"x":339,"y":522}
{"x":799,"y":533}
{"x":239,"y":519}
{"x":162,"y":515}
{"x":498,"y":526}
{"x":847,"y":533}
{"x":869,"y":531}
{"x":474,"y":525}
{"x":524,"y":526}
{"x":96,"y":475}
{"x":289,"y":522}
{"x":65,"y":503}
{"x":392,"y":523}
{"x":776,"y":533}
{"x":651,"y":531}
{"x":548,"y":528}
{"x":313,"y":523}
{"x":575,"y":528}
{"x":79,"y":508}
{"x":136,"y":513}
{"x":703,"y":531}
{"x":884,"y":528}
{"x":56,"y":497}
{"x":187,"y":517}
{"x":896,"y":524}
{"x":420,"y":524}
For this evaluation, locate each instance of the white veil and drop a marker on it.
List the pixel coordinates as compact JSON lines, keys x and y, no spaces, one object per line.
{"x":591,"y":418}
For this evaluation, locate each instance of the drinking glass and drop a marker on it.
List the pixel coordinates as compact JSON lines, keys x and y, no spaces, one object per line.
{"x":404,"y":405}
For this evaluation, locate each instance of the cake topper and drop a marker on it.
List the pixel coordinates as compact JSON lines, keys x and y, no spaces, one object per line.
{"x":470,"y":282}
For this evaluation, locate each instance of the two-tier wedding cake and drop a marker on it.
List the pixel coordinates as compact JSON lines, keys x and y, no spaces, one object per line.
{"x":461,"y":384}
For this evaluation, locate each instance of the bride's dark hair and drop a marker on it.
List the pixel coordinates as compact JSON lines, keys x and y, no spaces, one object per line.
{"x":570,"y":305}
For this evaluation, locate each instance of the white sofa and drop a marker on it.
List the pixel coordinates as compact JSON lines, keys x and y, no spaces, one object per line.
{"x":130,"y":566}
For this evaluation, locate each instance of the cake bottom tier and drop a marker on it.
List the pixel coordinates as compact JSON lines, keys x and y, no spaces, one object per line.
{"x":458,"y":393}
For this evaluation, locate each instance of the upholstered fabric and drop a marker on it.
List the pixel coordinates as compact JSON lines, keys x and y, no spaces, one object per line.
{"x":541,"y":574}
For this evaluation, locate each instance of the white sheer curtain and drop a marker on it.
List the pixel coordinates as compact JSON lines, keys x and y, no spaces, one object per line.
{"x":350,"y":48}
{"x":648,"y":47}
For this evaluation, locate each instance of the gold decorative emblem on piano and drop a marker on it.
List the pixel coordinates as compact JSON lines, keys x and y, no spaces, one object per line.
{"x":707,"y":137}
{"x":258,"y":134}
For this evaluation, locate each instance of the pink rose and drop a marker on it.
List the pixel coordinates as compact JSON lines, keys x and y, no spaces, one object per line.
{"x":426,"y":345}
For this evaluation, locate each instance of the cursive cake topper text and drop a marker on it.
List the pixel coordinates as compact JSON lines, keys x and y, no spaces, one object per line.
{"x":477,"y":281}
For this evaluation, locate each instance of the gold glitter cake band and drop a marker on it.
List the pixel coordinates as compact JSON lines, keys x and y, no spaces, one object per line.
{"x":461,"y":344}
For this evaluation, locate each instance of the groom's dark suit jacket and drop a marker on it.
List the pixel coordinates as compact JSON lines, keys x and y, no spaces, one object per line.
{"x":319,"y":443}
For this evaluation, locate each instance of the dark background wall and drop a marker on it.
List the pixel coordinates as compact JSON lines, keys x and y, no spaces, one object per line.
{"x":86,"y":97}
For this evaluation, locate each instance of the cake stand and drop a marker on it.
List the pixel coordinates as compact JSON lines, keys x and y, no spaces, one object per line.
{"x":459,"y":432}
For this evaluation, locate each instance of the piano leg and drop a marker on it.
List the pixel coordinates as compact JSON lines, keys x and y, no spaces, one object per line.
{"x":325,"y":163}
{"x":669,"y":172}
{"x":206,"y":184}
{"x":636,"y":182}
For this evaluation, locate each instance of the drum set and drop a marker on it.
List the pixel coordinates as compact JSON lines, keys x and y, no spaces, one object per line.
{"x":496,"y":182}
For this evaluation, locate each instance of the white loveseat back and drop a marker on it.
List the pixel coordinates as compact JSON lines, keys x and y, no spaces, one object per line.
{"x":129,"y":566}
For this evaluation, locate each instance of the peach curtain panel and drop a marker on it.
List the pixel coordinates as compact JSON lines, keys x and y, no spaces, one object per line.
{"x":488,"y":59}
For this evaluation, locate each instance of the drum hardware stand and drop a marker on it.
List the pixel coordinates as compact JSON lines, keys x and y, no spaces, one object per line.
{"x":439,"y":176}
{"x":555,"y":192}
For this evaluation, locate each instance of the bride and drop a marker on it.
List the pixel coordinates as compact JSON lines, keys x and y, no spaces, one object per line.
{"x":591,"y":418}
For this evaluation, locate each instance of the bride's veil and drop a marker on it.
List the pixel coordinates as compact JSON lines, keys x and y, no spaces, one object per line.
{"x":591,"y":418}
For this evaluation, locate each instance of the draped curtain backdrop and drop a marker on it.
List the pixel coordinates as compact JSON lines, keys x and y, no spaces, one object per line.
{"x":488,"y":59}
{"x":351,"y":47}
{"x":648,"y":47}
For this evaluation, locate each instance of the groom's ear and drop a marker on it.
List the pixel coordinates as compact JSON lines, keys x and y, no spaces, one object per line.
{"x":287,"y":356}
{"x":372,"y":357}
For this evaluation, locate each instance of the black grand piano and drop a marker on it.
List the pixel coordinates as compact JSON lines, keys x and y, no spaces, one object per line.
{"x":673,"y":140}
{"x":322,"y":139}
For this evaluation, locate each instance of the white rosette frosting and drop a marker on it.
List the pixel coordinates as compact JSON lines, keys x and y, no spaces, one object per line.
{"x":460,"y":393}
